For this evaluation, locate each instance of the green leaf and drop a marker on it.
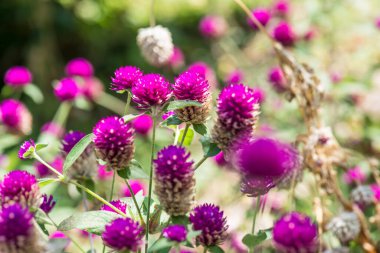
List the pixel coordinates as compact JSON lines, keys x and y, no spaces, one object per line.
{"x":192,"y":234}
{"x":34,"y":93}
{"x":215,"y":249}
{"x":40,"y":146}
{"x":134,"y":170}
{"x":130,"y":117}
{"x":188,"y":138}
{"x":29,"y":152}
{"x":92,"y":221}
{"x":253,"y":240}
{"x":179,"y":104}
{"x":181,"y":219}
{"x":89,"y":184}
{"x":57,"y":245}
{"x":42,"y":218}
{"x":124,"y":173}
{"x":76,"y":151}
{"x":200,"y":129}
{"x":171,"y":121}
{"x":210,"y":149}
{"x":46,"y":181}
{"x":161,"y":244}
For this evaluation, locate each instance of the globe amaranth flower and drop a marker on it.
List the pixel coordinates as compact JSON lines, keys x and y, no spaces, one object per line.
{"x":123,"y":234}
{"x":17,"y":233}
{"x":175,"y":233}
{"x":262,"y":15}
{"x":136,"y":186}
{"x":345,"y":226}
{"x":151,"y":90}
{"x":43,"y":171}
{"x":235,"y":76}
{"x":259,"y":95}
{"x":15,"y":117}
{"x":263,"y":163}
{"x":143,"y":124}
{"x":18,"y":76}
{"x":53,"y":129}
{"x":363,"y":195}
{"x":174,"y":180}
{"x":91,"y":88}
{"x":376,"y":192}
{"x":122,"y":206}
{"x":212,"y":26}
{"x":20,"y":187}
{"x":295,"y":232}
{"x":79,"y":67}
{"x":237,"y":110}
{"x":190,"y":85}
{"x":66,"y":89}
{"x":177,"y":60}
{"x":210,"y":220}
{"x":354,"y":175}
{"x":103,"y":173}
{"x":114,"y":142}
{"x":155,"y":44}
{"x":26,"y":150}
{"x":281,"y":8}
{"x":220,"y":160}
{"x":125,"y":77}
{"x":284,"y":34}
{"x":85,"y":166}
{"x":277,"y":79}
{"x":204,"y":70}
{"x":48,"y":203}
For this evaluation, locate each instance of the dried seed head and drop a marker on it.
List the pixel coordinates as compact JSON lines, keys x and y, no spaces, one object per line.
{"x":363,"y":195}
{"x":346,"y":226}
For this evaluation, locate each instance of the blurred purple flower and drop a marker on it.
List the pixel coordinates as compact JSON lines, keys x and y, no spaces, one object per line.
{"x":212,"y":26}
{"x":176,"y":233}
{"x":66,"y":89}
{"x":79,"y":67}
{"x":18,"y":76}
{"x":262,"y":15}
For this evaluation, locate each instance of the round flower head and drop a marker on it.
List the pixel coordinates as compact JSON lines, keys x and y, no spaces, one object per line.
{"x":136,"y":186}
{"x":15,"y":117}
{"x":151,"y":90}
{"x":262,"y":15}
{"x":295,"y":232}
{"x":176,"y":233}
{"x":79,"y":67}
{"x":236,"y":76}
{"x":53,"y":129}
{"x":363,"y":195}
{"x":123,"y":234}
{"x":26,"y":150}
{"x":174,"y":180}
{"x":103,"y":173}
{"x":21,"y":187}
{"x":263,"y":163}
{"x":155,"y":44}
{"x":284,"y":34}
{"x":238,"y":111}
{"x":125,"y":77}
{"x":209,"y":219}
{"x":48,"y":203}
{"x":122,"y":206}
{"x":114,"y":142}
{"x":212,"y":26}
{"x":376,"y":192}
{"x":345,"y":227}
{"x":143,"y":124}
{"x":91,"y":88}
{"x":177,"y":59}
{"x":18,"y":76}
{"x":66,"y":89}
{"x":354,"y":175}
{"x":277,"y":79}
{"x":281,"y":8}
{"x":205,"y":71}
{"x":86,"y":165}
{"x":220,"y":159}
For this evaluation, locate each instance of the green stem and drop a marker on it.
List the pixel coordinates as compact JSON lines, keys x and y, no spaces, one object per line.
{"x":200,"y":162}
{"x":112,"y":185}
{"x":257,"y":209}
{"x":38,"y":158}
{"x":134,"y":200}
{"x":111,"y":103}
{"x":86,"y":209}
{"x":204,"y":250}
{"x":129,"y":96}
{"x":62,"y":114}
{"x":150,"y":184}
{"x":184,"y":134}
{"x":152,"y":20}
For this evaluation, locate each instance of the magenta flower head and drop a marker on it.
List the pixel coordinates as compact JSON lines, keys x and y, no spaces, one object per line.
{"x":21,"y":187}
{"x":48,"y":203}
{"x":174,"y":180}
{"x":259,"y":95}
{"x":26,"y":150}
{"x":210,"y":220}
{"x":53,"y":129}
{"x":377,"y":23}
{"x":235,"y":76}
{"x":284,"y":34}
{"x":212,"y":26}
{"x":262,"y":15}
{"x":15,"y":117}
{"x":91,"y":88}
{"x":79,"y":67}
{"x":114,"y":142}
{"x":18,"y":76}
{"x":175,"y":233}
{"x":122,"y":206}
{"x":238,"y":111}
{"x":190,"y":85}
{"x":136,"y":186}
{"x":277,"y":79}
{"x":354,"y":175}
{"x":281,"y":8}
{"x":177,"y":59}
{"x":123,"y":234}
{"x":376,"y":192}
{"x":263,"y":163}
{"x":220,"y":159}
{"x":125,"y":77}
{"x":295,"y":232}
{"x":205,"y":71}
{"x":66,"y":89}
{"x":151,"y":90}
{"x":103,"y":173}
{"x":143,"y":124}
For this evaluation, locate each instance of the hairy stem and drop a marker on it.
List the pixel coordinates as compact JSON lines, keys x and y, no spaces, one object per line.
{"x":112,"y":185}
{"x":38,"y":158}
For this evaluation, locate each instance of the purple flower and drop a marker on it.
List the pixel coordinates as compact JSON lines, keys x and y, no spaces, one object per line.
{"x":204,"y":70}
{"x":174,"y":180}
{"x":263,"y":163}
{"x":212,"y":26}
{"x":123,"y":234}
{"x":262,"y":15}
{"x":18,"y":76}
{"x":79,"y":67}
{"x":71,"y":139}
{"x":23,"y":152}
{"x":53,"y":129}
{"x":259,"y":95}
{"x":281,"y":8}
{"x":15,"y":117}
{"x":354,"y":175}
{"x":220,"y":160}
{"x":114,"y":142}
{"x":190,"y":85}
{"x":376,"y":192}
{"x":176,"y":233}
{"x":151,"y":90}
{"x":377,"y":22}
{"x":136,"y":186}
{"x":143,"y":124}
{"x":125,"y":77}
{"x":284,"y":34}
{"x":43,"y":171}
{"x":295,"y":232}
{"x":210,"y":220}
{"x":177,"y":59}
{"x":122,"y":206}
{"x":91,"y":88}
{"x":19,"y":186}
{"x":66,"y":89}
{"x":277,"y":79}
{"x":48,"y":203}
{"x":236,"y":77}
